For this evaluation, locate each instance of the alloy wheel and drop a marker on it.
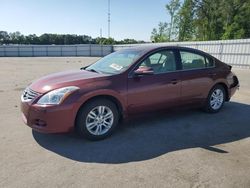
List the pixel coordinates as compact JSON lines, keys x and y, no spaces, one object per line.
{"x":217,"y":99}
{"x":99,"y":120}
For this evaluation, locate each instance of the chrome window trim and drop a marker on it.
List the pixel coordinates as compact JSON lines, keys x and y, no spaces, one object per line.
{"x":130,"y":75}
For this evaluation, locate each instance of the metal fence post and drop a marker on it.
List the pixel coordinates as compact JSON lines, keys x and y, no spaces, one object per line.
{"x":197,"y":46}
{"x":221,"y":51}
{"x":90,"y":53}
{"x":33,"y":53}
{"x":4,"y":51}
{"x":47,"y":53}
{"x":18,"y":51}
{"x":102,"y":50}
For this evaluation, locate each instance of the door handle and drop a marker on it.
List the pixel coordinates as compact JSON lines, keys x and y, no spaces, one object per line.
{"x":174,"y":81}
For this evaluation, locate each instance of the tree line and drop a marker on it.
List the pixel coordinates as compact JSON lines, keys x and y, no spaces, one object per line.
{"x":192,"y":20}
{"x":58,"y":39}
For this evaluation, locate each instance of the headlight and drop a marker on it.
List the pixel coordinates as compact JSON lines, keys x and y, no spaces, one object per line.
{"x":56,"y":96}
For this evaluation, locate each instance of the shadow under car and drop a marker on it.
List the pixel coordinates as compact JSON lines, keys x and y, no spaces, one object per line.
{"x":154,"y":135}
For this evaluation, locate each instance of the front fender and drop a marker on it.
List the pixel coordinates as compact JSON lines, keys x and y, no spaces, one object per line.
{"x":102,"y":92}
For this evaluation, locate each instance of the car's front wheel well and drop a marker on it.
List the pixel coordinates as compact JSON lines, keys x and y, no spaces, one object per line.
{"x":107,"y":97}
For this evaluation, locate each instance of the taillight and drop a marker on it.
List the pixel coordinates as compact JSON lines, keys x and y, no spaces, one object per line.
{"x":235,"y":81}
{"x":232,"y":80}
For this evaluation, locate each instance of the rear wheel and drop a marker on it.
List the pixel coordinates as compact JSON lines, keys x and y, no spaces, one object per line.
{"x":215,"y":99}
{"x":97,"y":119}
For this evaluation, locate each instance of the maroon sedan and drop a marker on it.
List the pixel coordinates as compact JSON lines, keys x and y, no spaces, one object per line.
{"x":93,"y":99}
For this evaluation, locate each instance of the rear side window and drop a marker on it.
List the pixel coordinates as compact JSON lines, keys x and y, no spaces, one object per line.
{"x":191,"y":60}
{"x":209,"y":62}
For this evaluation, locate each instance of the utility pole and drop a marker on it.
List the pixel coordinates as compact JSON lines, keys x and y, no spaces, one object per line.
{"x":101,"y":32}
{"x":108,"y":18}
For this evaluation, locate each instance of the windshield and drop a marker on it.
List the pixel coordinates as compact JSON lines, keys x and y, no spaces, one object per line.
{"x":116,"y":62}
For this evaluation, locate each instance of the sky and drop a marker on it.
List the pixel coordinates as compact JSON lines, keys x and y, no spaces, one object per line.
{"x":129,"y":18}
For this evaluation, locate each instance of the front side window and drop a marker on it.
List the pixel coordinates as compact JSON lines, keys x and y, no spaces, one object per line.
{"x":160,"y":62}
{"x":192,"y":61}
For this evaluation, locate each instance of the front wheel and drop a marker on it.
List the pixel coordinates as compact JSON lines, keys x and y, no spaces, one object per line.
{"x":97,"y":119}
{"x":215,"y":99}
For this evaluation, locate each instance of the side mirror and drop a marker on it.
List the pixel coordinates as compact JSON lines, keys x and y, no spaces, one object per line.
{"x":144,"y":71}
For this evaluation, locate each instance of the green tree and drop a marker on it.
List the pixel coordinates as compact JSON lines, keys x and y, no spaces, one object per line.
{"x":31,"y":39}
{"x":236,"y":19}
{"x":161,"y":34}
{"x":206,"y":20}
{"x":173,"y":8}
{"x":105,"y":41}
{"x":16,"y":37}
{"x":58,"y":39}
{"x":44,"y":39}
{"x":128,"y":41}
{"x":4,"y":37}
{"x":209,"y":21}
{"x":168,"y":31}
{"x":186,"y":21}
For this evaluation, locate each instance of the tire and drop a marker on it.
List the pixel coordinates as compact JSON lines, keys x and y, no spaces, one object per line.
{"x":215,"y":99}
{"x":97,"y":119}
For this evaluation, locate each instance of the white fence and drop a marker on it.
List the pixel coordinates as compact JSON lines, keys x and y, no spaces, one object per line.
{"x":233,"y":52}
{"x":54,"y":50}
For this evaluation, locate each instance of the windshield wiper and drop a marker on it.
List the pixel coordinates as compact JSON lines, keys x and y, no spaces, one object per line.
{"x":83,"y":68}
{"x":92,"y":70}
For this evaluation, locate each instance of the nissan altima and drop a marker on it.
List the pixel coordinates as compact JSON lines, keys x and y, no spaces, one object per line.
{"x":130,"y":81}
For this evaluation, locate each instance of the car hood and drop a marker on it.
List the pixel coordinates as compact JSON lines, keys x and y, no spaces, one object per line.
{"x":64,"y":79}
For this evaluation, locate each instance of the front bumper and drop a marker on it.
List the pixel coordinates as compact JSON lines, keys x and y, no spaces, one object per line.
{"x":51,"y":119}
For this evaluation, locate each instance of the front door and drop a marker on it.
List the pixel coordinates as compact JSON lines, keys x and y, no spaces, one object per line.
{"x":158,"y":90}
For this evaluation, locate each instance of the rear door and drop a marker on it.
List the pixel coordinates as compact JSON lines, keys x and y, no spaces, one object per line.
{"x":156,"y":91}
{"x":197,"y":76}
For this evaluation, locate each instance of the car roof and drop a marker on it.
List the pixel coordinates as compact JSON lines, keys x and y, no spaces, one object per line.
{"x":148,"y":48}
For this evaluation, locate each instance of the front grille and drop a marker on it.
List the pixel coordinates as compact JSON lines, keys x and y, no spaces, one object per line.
{"x":29,"y":94}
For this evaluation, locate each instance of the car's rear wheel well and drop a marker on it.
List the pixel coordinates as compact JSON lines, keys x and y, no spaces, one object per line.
{"x":226,"y":90}
{"x":107,"y":97}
